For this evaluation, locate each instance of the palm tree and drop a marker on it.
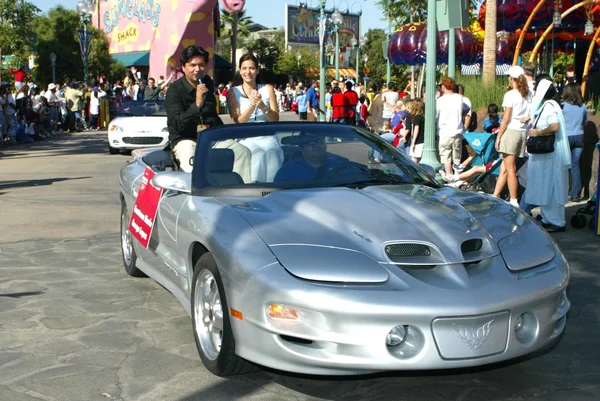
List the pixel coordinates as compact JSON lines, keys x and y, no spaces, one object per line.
{"x":489,"y":43}
{"x":232,"y":25}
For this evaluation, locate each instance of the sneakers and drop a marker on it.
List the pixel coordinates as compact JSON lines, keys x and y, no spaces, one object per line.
{"x":449,"y":178}
{"x":514,"y":202}
{"x":458,"y":169}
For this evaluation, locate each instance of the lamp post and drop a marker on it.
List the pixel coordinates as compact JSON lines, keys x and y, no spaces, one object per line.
{"x":365,"y":59}
{"x":53,"y":63}
{"x":337,"y":20}
{"x":355,"y":46}
{"x":85,"y":9}
{"x":429,"y":151}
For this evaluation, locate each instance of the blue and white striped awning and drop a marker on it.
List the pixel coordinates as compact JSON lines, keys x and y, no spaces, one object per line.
{"x":475,"y":69}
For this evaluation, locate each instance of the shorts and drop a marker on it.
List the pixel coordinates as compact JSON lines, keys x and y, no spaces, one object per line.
{"x":418,"y":151}
{"x":513,"y":142}
{"x":450,"y":148}
{"x":303,"y":115}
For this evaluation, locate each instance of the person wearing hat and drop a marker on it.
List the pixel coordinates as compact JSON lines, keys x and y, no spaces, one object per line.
{"x":512,"y":134}
{"x":52,"y":99}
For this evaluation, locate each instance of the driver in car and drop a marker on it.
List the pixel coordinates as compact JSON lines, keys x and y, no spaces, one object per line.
{"x":313,"y":163}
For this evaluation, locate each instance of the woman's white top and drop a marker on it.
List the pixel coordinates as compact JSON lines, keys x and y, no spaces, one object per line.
{"x":257,"y":115}
{"x":520,"y":108}
{"x":267,"y":154}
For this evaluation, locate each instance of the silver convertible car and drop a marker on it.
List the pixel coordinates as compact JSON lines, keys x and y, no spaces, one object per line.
{"x":319,"y":248}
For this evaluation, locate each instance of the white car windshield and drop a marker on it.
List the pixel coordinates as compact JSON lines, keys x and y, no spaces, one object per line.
{"x":142,"y":108}
{"x":299,"y":155}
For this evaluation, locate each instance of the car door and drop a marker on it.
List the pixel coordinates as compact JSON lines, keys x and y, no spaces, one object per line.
{"x":164,"y":237}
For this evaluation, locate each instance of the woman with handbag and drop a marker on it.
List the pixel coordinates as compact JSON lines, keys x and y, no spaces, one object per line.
{"x":549,"y":158}
{"x":511,"y":138}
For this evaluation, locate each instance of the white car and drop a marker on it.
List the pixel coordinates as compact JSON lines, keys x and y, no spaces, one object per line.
{"x":138,"y":124}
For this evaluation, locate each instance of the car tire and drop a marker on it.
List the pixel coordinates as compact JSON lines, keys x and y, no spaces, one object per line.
{"x":216,"y":345}
{"x":113,"y":151}
{"x":127,"y":249}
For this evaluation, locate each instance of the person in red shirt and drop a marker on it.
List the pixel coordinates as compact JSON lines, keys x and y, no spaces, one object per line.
{"x":351,"y":102}
{"x":338,"y":105}
{"x":364,"y":111}
{"x":21,"y":77}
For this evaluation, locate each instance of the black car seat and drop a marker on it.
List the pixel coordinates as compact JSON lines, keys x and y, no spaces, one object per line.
{"x":221,"y":168}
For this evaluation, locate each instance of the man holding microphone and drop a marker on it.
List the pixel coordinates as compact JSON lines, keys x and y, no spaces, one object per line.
{"x":191,"y":105}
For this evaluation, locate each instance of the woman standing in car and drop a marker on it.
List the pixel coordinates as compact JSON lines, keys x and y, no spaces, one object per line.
{"x":251,"y":102}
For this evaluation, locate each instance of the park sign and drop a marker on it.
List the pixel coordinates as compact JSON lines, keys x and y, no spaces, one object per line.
{"x":302,"y":26}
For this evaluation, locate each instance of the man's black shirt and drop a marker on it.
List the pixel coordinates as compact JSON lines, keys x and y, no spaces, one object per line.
{"x":183,"y":116}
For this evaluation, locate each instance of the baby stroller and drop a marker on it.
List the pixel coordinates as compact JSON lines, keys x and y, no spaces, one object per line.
{"x":486,"y":155}
{"x":579,"y":220}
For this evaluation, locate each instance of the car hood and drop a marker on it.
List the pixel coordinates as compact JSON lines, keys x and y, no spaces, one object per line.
{"x":366,"y":220}
{"x":141,"y":125}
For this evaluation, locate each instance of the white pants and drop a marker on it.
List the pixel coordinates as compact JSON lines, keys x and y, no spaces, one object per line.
{"x":184,"y":151}
{"x":267,"y":157}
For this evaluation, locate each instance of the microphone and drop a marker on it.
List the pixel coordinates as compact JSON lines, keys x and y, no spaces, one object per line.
{"x":202,"y":79}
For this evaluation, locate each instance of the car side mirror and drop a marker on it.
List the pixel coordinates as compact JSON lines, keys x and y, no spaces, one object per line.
{"x":173,"y":180}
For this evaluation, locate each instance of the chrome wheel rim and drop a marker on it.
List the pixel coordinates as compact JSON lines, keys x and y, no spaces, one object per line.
{"x":208,"y":314}
{"x":126,"y":240}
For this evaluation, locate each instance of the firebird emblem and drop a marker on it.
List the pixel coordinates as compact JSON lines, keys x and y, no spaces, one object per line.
{"x":473,"y":339}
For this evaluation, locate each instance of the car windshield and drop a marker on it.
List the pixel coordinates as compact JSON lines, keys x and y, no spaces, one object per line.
{"x":142,"y":108}
{"x":298,"y":155}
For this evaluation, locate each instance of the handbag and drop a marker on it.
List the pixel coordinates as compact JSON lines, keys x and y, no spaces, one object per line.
{"x":540,"y":144}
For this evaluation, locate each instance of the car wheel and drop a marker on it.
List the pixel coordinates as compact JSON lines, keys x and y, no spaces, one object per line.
{"x":578,"y":221}
{"x":210,"y":319}
{"x":127,"y":249}
{"x":113,"y":151}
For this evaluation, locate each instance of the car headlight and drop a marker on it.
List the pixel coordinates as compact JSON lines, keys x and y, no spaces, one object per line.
{"x":526,"y":249}
{"x":115,"y":128}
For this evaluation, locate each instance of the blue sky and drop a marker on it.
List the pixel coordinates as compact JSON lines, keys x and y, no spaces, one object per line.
{"x":271,"y":12}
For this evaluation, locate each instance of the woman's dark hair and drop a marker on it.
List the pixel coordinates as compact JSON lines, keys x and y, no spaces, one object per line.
{"x":336,"y":89}
{"x":193,"y":51}
{"x":237,"y":80}
{"x":362,"y":99}
{"x":572,"y":94}
{"x":493,"y":113}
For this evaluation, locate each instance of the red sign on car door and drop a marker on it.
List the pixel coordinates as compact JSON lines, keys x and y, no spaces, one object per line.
{"x":145,"y":208}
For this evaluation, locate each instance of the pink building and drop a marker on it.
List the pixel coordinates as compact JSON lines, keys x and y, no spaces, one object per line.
{"x":152,"y":33}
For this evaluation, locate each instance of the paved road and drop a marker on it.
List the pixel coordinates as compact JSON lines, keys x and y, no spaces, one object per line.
{"x":74,"y":326}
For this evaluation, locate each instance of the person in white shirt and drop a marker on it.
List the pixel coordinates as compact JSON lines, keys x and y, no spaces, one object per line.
{"x":512,"y":134}
{"x":52,"y":99}
{"x":94,"y":110}
{"x":449,"y":116}
{"x":389,"y":98}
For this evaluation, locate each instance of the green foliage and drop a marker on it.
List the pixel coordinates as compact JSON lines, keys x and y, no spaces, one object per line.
{"x":307,"y":67}
{"x":377,"y":64}
{"x":403,"y":11}
{"x":226,"y":24}
{"x":57,"y":32}
{"x":16,"y":34}
{"x":483,"y":98}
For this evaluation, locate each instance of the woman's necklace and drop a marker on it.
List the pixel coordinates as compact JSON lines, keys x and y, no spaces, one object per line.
{"x":244,"y":91}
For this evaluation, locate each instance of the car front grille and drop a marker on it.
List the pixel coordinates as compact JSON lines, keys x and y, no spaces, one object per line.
{"x":142,"y":140}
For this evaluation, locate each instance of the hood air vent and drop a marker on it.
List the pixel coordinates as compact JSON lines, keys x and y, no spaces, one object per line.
{"x":471,"y":245}
{"x":407,"y":250}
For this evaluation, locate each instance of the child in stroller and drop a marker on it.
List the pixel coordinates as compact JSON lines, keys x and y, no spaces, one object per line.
{"x":481,"y":170}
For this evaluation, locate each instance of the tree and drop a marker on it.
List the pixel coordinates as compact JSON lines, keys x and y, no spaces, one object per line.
{"x":307,"y":67}
{"x":234,"y":25}
{"x":16,"y":34}
{"x":57,"y":33}
{"x":403,"y":12}
{"x":489,"y":44}
{"x":377,"y":63}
